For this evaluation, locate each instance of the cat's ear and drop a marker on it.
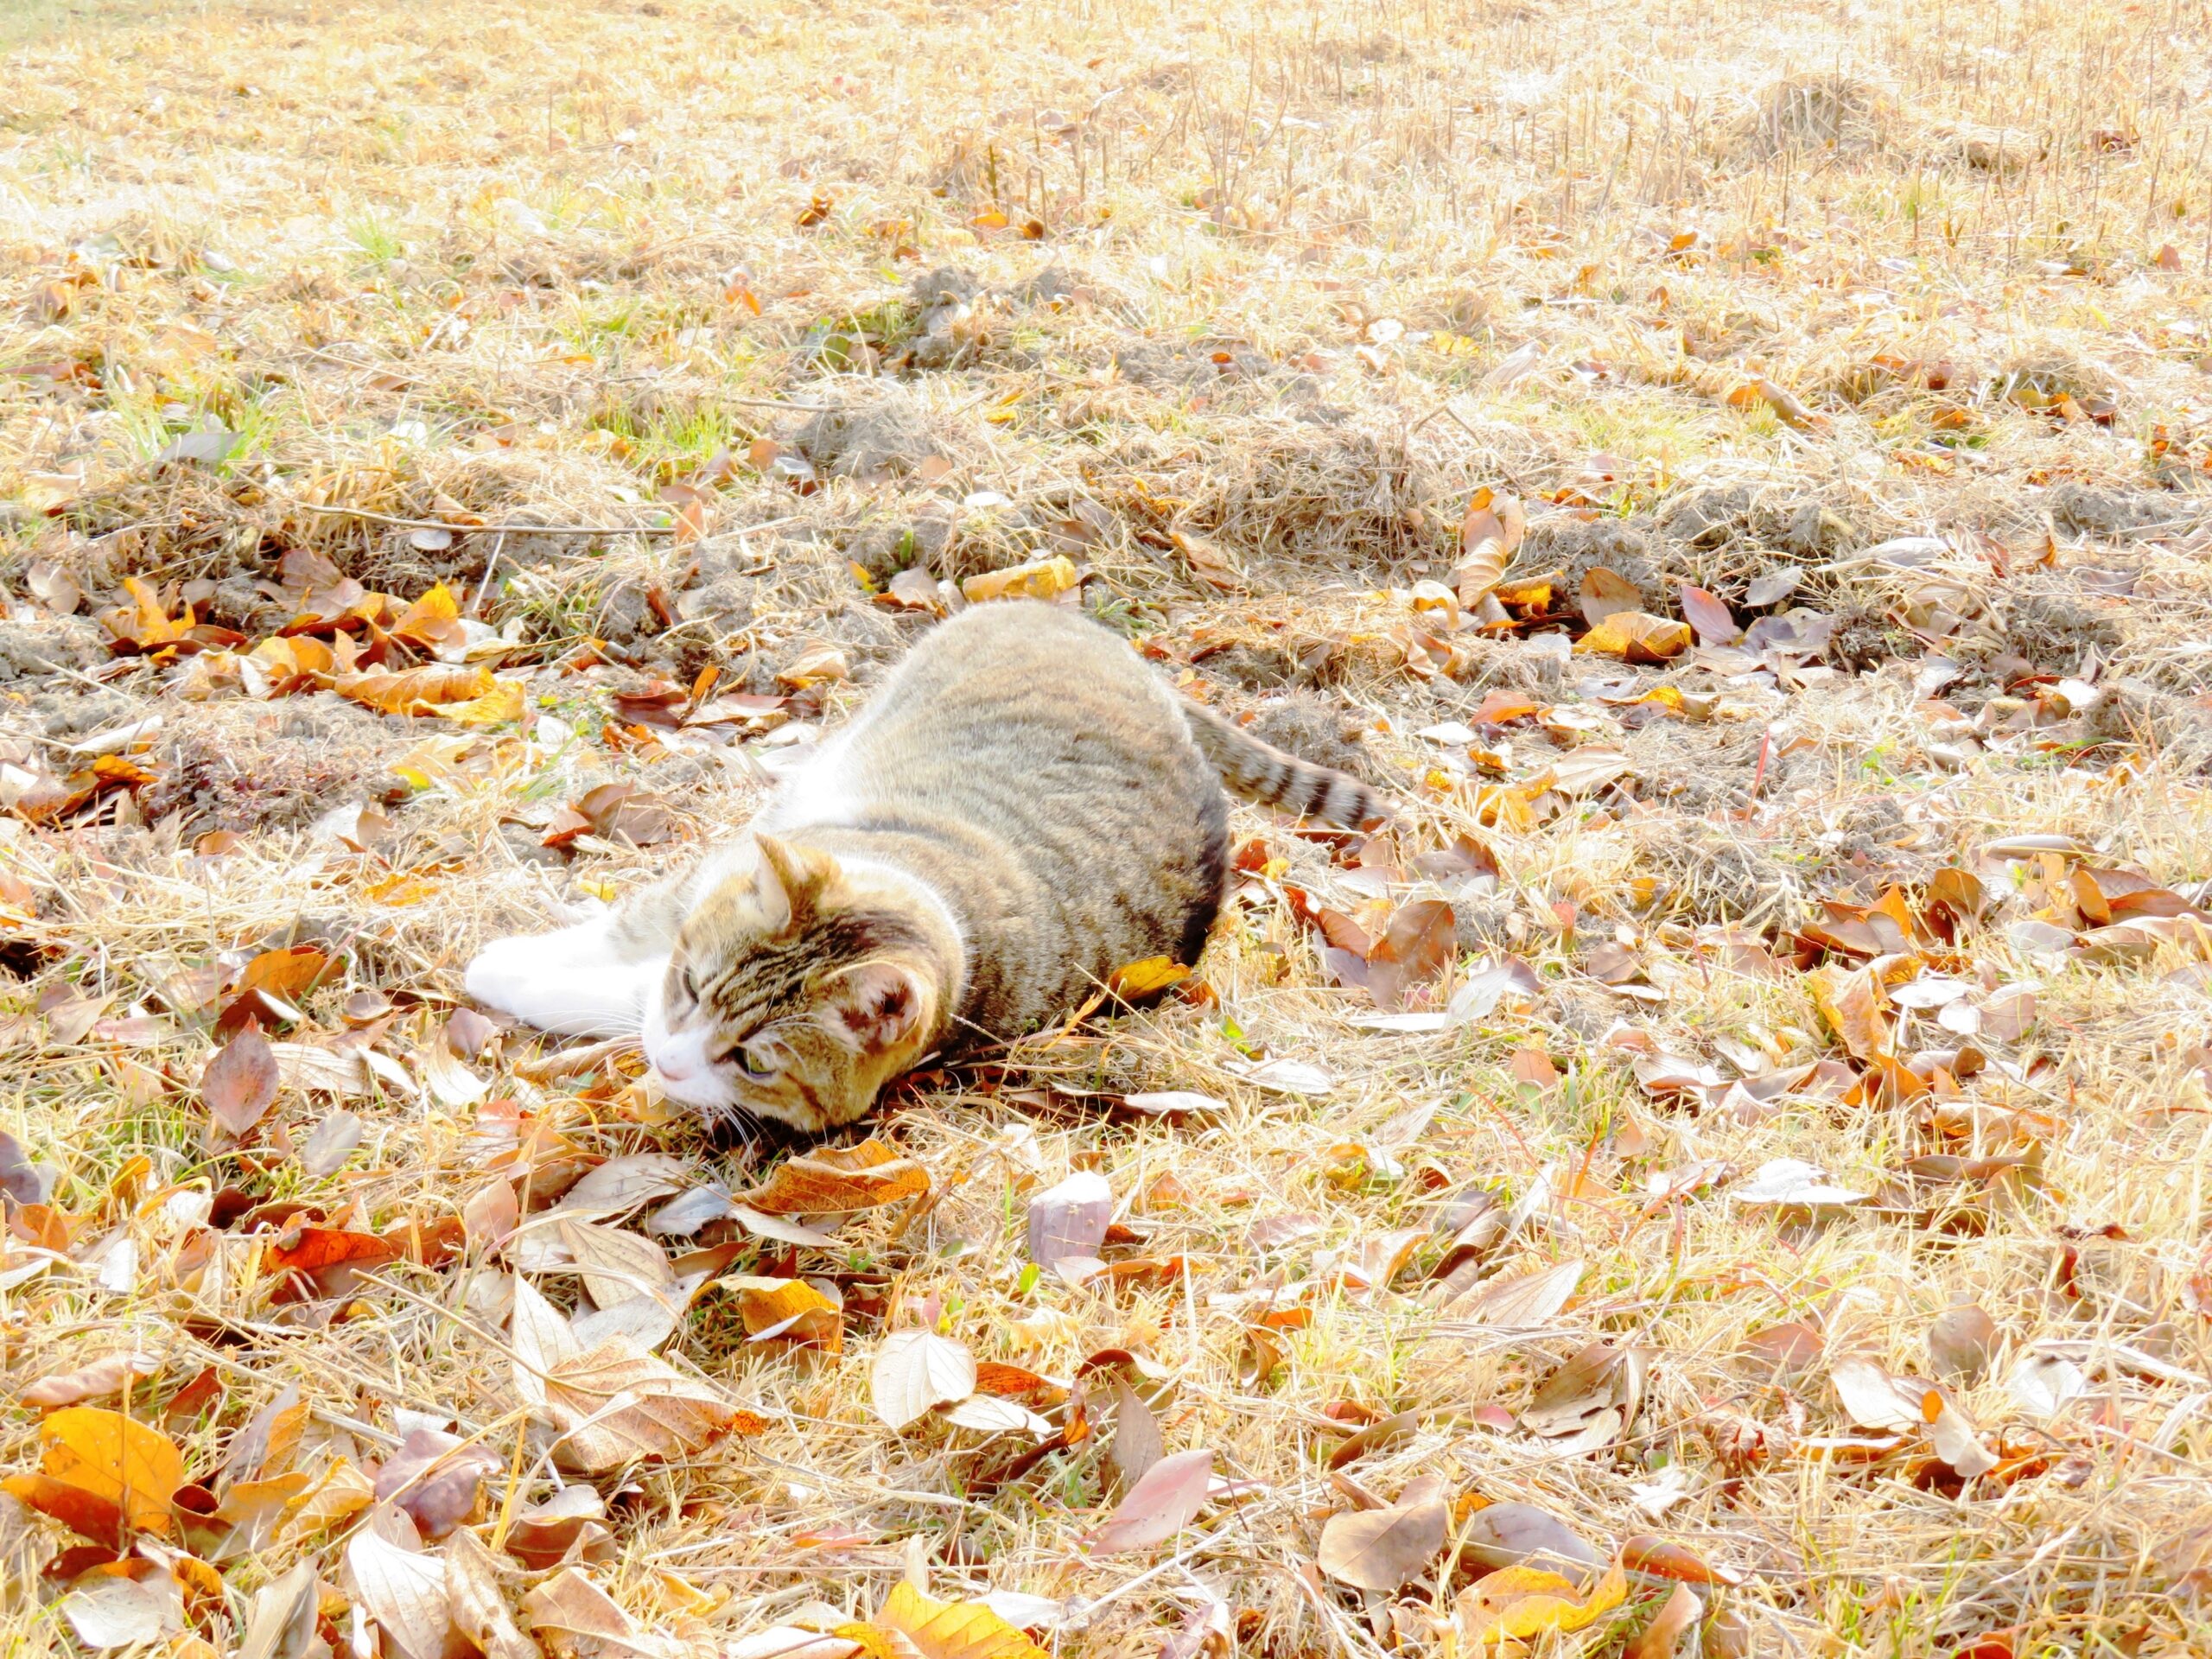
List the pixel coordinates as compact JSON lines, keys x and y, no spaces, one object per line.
{"x":790,"y":880}
{"x":878,"y":1006}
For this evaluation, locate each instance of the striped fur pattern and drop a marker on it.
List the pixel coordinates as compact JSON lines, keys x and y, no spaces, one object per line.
{"x":1272,"y":777}
{"x":1023,"y":808}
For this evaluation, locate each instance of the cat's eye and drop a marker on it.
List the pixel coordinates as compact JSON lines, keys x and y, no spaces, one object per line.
{"x":755,"y":1061}
{"x":688,"y":985}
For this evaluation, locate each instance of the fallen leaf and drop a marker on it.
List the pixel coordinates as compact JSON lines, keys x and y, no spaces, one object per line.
{"x":1136,"y":1446}
{"x":96,"y":1381}
{"x":1206,"y":562}
{"x":1168,"y":1499}
{"x":914,"y":1370}
{"x":789,"y":1308}
{"x":1489,"y":534}
{"x":951,"y":1630}
{"x":1046,"y":578}
{"x":1875,"y":1399}
{"x":1605,"y":592}
{"x":1962,"y":1342}
{"x":572,"y":1616}
{"x":475,"y":1603}
{"x":471,"y":696}
{"x":614,"y":1404}
{"x":616,"y":1265}
{"x":1133,"y":981}
{"x":2043,"y":1384}
{"x":435,"y":1477}
{"x":1420,"y":943}
{"x":1636,"y":636}
{"x":1380,"y":1549}
{"x":1658,"y":1639}
{"x":1792,"y":1181}
{"x":835,"y":1180}
{"x":1706,"y":614}
{"x":1525,"y":1601}
{"x":240,"y":1083}
{"x":119,"y":1613}
{"x":331,"y":1144}
{"x":404,"y":1594}
{"x":1070,"y":1219}
{"x":1850,"y":1000}
{"x":115,"y":1459}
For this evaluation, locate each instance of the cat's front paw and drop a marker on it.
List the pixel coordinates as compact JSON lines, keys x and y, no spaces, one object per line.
{"x":500,"y":976}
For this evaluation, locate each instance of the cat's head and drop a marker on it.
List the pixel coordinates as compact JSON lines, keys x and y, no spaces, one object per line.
{"x":794,"y":994}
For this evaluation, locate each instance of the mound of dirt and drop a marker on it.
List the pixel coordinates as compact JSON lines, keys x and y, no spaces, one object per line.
{"x":1800,"y":115}
{"x":883,"y":436}
{"x":1328,"y":499}
{"x":1704,"y":871}
{"x":32,"y":647}
{"x":246,"y":767}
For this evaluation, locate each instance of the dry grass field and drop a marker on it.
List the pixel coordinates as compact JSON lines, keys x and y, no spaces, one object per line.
{"x":1722,"y":1172}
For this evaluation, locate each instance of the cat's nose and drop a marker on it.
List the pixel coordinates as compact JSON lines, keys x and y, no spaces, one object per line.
{"x":672,"y":1070}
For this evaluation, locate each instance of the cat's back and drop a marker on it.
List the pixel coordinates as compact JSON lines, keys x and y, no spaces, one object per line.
{"x":1027,"y":761}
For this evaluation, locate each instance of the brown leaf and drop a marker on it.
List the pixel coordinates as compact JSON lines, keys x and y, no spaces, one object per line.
{"x":1159,"y":1506}
{"x":1136,"y":1446}
{"x":1851,"y":1001}
{"x":102,"y":1378}
{"x":291,"y":973}
{"x":1962,"y":1344}
{"x":614,"y":1404}
{"x":834,"y":1180}
{"x":1070,"y":1218}
{"x":85,"y":1512}
{"x":435,"y":1477}
{"x":1207,"y":563}
{"x":1489,"y":534}
{"x":1708,"y":615}
{"x":476,"y":1605}
{"x":240,"y":1083}
{"x":1658,"y":1639}
{"x":1590,"y":1397}
{"x":788,"y":1308}
{"x":1420,"y":943}
{"x":572,"y":1616}
{"x":1607,"y":593}
{"x":404,"y":1593}
{"x":1380,"y":1549}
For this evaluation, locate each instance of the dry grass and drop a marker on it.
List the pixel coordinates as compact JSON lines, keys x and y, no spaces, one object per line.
{"x":1299,"y":283}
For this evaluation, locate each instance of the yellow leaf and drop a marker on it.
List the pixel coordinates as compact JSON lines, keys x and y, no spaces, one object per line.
{"x":952,"y":1629}
{"x":1136,"y":979}
{"x":1637,"y":637}
{"x":1038,"y":579}
{"x":116,"y":1459}
{"x":429,"y":620}
{"x":1851,"y":1001}
{"x":1523,"y":1601}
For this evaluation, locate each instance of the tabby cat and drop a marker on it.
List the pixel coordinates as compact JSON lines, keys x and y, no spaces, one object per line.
{"x":1020,"y":809}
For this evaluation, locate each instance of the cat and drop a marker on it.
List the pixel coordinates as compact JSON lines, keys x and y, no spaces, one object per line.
{"x":1022,"y":808}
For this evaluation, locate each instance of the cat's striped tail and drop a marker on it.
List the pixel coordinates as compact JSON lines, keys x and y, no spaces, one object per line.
{"x":1260,"y":771}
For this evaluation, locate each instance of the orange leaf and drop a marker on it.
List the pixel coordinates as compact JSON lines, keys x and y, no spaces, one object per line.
{"x":115,"y":1459}
{"x":832,"y":1181}
{"x":289,"y":973}
{"x":1636,"y":636}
